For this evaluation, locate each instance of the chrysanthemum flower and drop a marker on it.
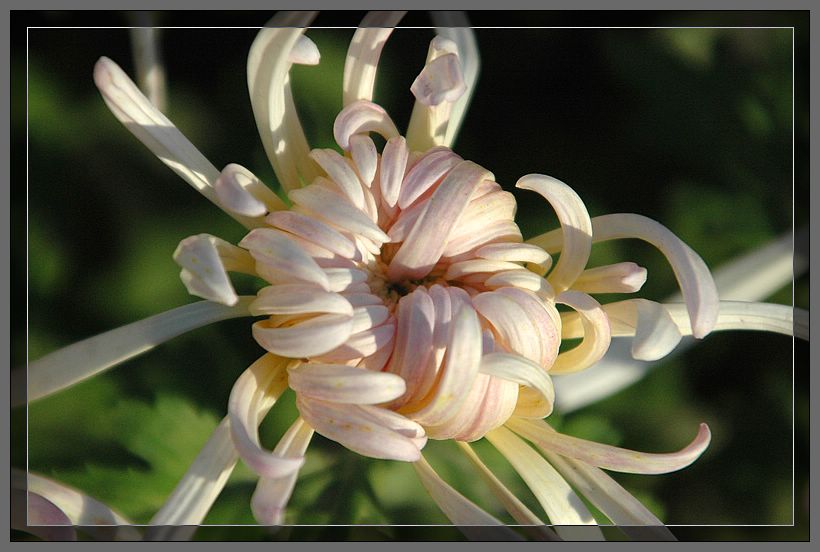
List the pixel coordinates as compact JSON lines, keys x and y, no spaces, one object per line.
{"x":402,"y":303}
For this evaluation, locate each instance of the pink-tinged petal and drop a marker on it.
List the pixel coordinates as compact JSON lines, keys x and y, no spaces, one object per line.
{"x":442,"y":305}
{"x":437,"y":87}
{"x":272,"y":495}
{"x":405,"y":222}
{"x":575,"y":223}
{"x":313,"y":230}
{"x":341,"y":279}
{"x":511,"y":323}
{"x":425,"y":243}
{"x":363,"y":54}
{"x":523,"y":279}
{"x":465,"y":239}
{"x":368,"y":316}
{"x":412,"y":353}
{"x":597,"y":334}
{"x":86,"y":358}
{"x":341,"y":173}
{"x":562,"y":505}
{"x":694,"y":278}
{"x":323,"y":257}
{"x":256,"y":390}
{"x":393,"y":165}
{"x":460,"y":368}
{"x":609,"y":457}
{"x":517,"y":509}
{"x":344,"y":384}
{"x":79,"y":508}
{"x":38,"y":516}
{"x":332,"y":207}
{"x":361,"y":345}
{"x":156,"y":131}
{"x":519,"y":370}
{"x":362,"y":299}
{"x":545,"y":317}
{"x":429,"y":170}
{"x":203,"y":272}
{"x":362,"y":117}
{"x":466,"y":414}
{"x":298,"y":298}
{"x":514,"y":252}
{"x":458,"y":509}
{"x":607,"y":495}
{"x":478,"y":266}
{"x":315,"y":336}
{"x":269,"y":61}
{"x":279,"y":258}
{"x":241,"y":192}
{"x":615,"y":278}
{"x":497,"y":406}
{"x":440,"y":81}
{"x":655,"y":330}
{"x":358,"y":430}
{"x":365,"y":157}
{"x":454,"y":26}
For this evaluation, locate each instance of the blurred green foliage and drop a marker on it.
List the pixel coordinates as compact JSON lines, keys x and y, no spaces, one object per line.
{"x":692,"y":127}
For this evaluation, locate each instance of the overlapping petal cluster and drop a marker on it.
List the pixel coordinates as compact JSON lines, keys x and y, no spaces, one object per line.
{"x":401,"y":302}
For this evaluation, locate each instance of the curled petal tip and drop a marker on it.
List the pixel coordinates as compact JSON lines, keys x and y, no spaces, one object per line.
{"x":305,"y":52}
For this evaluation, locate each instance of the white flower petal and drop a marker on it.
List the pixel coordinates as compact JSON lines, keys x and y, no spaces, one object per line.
{"x":196,"y":492}
{"x":607,"y":495}
{"x":454,"y":26}
{"x":156,"y":131}
{"x":520,"y":370}
{"x":344,"y":384}
{"x":615,"y":278}
{"x":562,"y":505}
{"x":517,"y":509}
{"x":458,"y":509}
{"x":364,"y":155}
{"x":79,"y":508}
{"x":314,"y":336}
{"x":241,"y":192}
{"x":607,"y":456}
{"x":360,"y":117}
{"x":391,"y":171}
{"x":256,"y":390}
{"x":313,"y":230}
{"x":575,"y":224}
{"x":91,"y":356}
{"x":358,"y":430}
{"x":272,"y":495}
{"x":279,"y":258}
{"x":332,"y":207}
{"x":436,"y":88}
{"x":342,"y":174}
{"x":363,"y":54}
{"x":204,"y":272}
{"x":269,"y":62}
{"x":696,"y":283}
{"x":425,"y":243}
{"x":425,"y":173}
{"x":460,"y":368}
{"x":298,"y":298}
{"x":597,"y":334}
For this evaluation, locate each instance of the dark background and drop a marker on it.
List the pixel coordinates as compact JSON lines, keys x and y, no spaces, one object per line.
{"x":690,"y":126}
